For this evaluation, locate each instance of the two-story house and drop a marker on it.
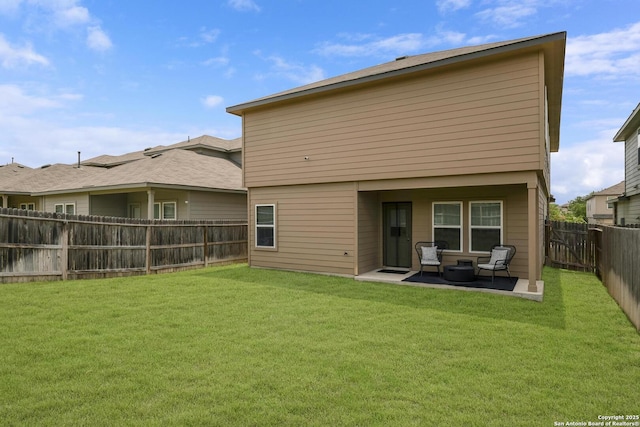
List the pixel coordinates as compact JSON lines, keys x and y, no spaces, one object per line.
{"x":344,"y":175}
{"x":627,"y":205}
{"x":599,"y":205}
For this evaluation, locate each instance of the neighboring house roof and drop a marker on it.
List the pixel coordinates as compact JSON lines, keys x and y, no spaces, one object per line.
{"x":11,"y":174}
{"x":174,"y":168}
{"x":204,"y":141}
{"x":199,"y":144}
{"x":614,"y":190}
{"x":179,"y":166}
{"x":630,"y":126}
{"x":553,"y":46}
{"x":29,"y":180}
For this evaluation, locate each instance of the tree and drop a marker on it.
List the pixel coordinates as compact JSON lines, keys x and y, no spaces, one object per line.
{"x":575,"y":211}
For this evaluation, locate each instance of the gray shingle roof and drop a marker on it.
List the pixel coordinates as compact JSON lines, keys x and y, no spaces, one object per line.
{"x":202,"y":142}
{"x":175,"y":166}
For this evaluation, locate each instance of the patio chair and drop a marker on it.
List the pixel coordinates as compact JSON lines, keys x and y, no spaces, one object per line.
{"x":430,"y":254}
{"x":499,"y":260}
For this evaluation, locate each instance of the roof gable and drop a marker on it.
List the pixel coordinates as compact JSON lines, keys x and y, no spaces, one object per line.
{"x":630,"y":125}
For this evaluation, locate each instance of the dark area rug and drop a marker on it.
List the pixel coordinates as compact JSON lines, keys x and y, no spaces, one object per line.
{"x":500,"y":283}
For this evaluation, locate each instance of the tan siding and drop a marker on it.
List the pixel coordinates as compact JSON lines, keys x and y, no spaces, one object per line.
{"x":475,"y":120}
{"x":315,"y":227}
{"x":207,"y":205}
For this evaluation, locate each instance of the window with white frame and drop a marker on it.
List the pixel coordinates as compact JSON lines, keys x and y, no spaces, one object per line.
{"x":265,"y":226}
{"x":165,"y":210}
{"x":485,"y":225}
{"x":28,"y":206}
{"x":447,"y":224}
{"x":66,"y":208}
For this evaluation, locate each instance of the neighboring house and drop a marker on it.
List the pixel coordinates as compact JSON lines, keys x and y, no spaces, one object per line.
{"x":195,"y":179}
{"x":627,"y":206}
{"x":600,"y":207}
{"x":345,"y":175}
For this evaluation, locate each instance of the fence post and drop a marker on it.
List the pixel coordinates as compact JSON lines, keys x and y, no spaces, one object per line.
{"x":148,"y":253}
{"x":205,"y":250}
{"x":64,"y":254}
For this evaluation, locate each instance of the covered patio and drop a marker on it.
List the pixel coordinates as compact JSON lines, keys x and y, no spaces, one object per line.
{"x":520,"y":290}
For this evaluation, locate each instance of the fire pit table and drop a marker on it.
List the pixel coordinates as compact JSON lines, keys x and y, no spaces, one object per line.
{"x":462,"y":272}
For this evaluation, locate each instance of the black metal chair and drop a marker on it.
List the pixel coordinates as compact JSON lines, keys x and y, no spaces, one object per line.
{"x":430,"y":254}
{"x":499,"y":260}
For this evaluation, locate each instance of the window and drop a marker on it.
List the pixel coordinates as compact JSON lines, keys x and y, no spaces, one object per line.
{"x":164,"y":210}
{"x":67,"y":208}
{"x":135,"y":211}
{"x":486,"y":225}
{"x":447,"y":224}
{"x":28,"y":206}
{"x":265,"y":226}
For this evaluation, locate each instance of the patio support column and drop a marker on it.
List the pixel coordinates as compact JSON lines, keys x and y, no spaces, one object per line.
{"x":150,"y":202}
{"x":532,"y":215}
{"x":5,"y":201}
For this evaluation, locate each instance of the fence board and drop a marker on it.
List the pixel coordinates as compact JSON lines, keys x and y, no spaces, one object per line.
{"x":46,"y":246}
{"x":618,"y":268}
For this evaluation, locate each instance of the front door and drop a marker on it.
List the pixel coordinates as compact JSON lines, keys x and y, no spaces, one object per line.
{"x":397,"y":234}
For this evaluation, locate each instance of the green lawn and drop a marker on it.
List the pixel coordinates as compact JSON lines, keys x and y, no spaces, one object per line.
{"x":239,"y":346}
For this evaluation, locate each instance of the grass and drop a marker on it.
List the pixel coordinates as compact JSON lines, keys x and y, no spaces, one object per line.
{"x":238,"y":346}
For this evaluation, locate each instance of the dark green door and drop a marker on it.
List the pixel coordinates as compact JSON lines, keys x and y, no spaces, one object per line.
{"x":397,"y":234}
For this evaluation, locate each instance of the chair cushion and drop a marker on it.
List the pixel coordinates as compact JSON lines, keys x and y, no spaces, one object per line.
{"x":429,"y":255}
{"x":492,"y":267}
{"x":498,"y":255}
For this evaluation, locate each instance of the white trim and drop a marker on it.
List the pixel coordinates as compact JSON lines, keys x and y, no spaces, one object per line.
{"x":272,"y":226}
{"x":65,"y":207}
{"x":472,"y":227}
{"x":161,"y":206}
{"x":458,"y":227}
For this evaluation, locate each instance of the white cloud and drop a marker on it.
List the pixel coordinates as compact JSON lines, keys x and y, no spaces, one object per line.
{"x":295,"y":72}
{"x":587,"y":166}
{"x":611,"y":54}
{"x":70,"y":16}
{"x":9,"y":7}
{"x":244,"y":5}
{"x":55,"y":15}
{"x":14,"y":56}
{"x":452,"y":5}
{"x":398,"y":44}
{"x":509,"y":14}
{"x":14,"y":101}
{"x":212,"y":101}
{"x":362,"y":45}
{"x":218,"y":61}
{"x":209,"y":36}
{"x":98,"y":40}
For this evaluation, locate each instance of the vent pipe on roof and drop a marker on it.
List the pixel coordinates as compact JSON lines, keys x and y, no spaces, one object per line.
{"x":78,"y":160}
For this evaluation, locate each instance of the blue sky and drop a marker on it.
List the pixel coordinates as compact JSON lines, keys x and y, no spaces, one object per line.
{"x":109,"y":77}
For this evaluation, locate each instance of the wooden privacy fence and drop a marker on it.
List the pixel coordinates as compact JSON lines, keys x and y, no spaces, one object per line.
{"x":570,"y":246}
{"x":48,"y":246}
{"x":612,"y":253}
{"x":618,"y":267}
